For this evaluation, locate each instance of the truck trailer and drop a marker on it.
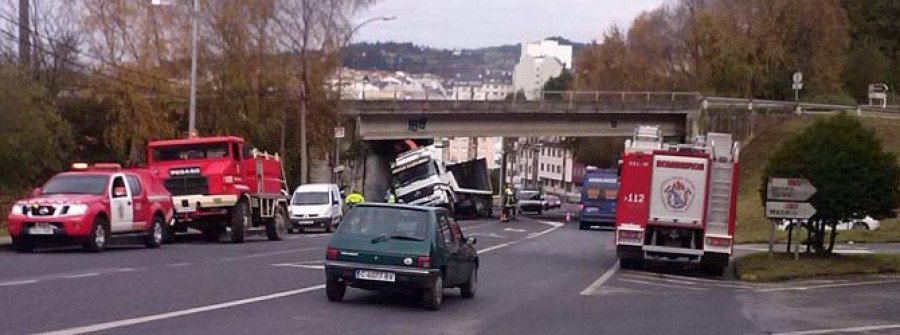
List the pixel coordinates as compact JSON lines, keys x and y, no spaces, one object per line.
{"x":420,"y":177}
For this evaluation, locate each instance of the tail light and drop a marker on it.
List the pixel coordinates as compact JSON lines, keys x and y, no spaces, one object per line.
{"x":331,"y":253}
{"x":423,"y":262}
{"x":718,"y":241}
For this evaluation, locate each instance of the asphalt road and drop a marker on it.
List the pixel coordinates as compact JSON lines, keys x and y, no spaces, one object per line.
{"x":538,"y":276}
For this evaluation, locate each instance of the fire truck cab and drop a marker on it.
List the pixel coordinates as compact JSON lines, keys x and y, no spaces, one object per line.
{"x":677,"y":200}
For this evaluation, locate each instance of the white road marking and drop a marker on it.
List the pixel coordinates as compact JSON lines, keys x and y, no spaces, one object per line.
{"x":83,"y":275}
{"x":815,"y":287}
{"x":514,"y":230}
{"x":554,"y":225}
{"x":675,"y":281}
{"x":267,"y":254}
{"x":642,"y":282}
{"x":175,"y":314}
{"x":489,"y":249}
{"x":599,"y":282}
{"x":19,"y":282}
{"x":683,"y":280}
{"x":842,"y":330}
{"x":179,"y":264}
{"x":302,"y":266}
{"x":475,"y":226}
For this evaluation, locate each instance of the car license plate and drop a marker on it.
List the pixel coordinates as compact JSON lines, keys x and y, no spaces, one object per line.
{"x":375,"y":275}
{"x":41,"y":229}
{"x":305,"y":223}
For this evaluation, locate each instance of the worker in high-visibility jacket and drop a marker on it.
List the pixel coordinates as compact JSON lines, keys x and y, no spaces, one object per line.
{"x":354,"y":198}
{"x":509,"y":205}
{"x":390,"y":197}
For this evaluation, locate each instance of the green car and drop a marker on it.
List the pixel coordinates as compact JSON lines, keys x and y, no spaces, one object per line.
{"x":382,"y":247}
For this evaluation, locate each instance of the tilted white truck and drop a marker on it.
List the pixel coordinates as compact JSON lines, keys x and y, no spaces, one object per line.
{"x":420,"y":177}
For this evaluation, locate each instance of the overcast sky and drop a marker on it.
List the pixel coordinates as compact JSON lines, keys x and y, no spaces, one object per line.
{"x":480,"y":23}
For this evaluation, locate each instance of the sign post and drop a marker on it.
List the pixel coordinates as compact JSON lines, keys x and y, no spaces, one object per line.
{"x":786,"y":199}
{"x":798,"y":84}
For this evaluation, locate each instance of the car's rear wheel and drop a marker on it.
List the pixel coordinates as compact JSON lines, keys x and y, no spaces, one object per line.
{"x":22,"y":244}
{"x":432,"y":297}
{"x":468,"y":289}
{"x":335,"y":290}
{"x":277,"y":227}
{"x":99,"y":236}
{"x":154,"y":237}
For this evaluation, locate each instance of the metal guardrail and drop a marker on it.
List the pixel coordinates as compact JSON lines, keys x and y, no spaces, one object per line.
{"x":797,"y":107}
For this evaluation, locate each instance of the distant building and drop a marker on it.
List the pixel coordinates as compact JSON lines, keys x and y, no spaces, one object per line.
{"x":487,"y":85}
{"x":538,"y":63}
{"x":544,"y":163}
{"x":461,"y":149}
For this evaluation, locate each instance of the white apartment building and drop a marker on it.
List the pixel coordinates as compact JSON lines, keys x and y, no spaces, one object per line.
{"x":538,"y":63}
{"x":488,"y":85}
{"x":542,"y":163}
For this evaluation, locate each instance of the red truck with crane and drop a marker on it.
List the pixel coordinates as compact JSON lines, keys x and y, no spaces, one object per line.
{"x":221,"y":187}
{"x":677,"y":200}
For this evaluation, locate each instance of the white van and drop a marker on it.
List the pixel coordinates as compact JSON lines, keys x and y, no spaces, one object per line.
{"x":316,"y":206}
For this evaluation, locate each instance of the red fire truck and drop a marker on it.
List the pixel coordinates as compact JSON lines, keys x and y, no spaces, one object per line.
{"x":221,"y":187}
{"x":677,"y":201}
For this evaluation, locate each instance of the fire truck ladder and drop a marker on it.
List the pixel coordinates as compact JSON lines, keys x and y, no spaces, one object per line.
{"x":721,"y":185}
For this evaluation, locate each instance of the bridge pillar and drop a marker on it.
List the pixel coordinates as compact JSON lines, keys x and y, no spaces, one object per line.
{"x":377,"y":175}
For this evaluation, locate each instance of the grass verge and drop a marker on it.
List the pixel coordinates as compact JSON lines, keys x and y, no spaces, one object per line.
{"x":758,"y":267}
{"x":753,"y":227}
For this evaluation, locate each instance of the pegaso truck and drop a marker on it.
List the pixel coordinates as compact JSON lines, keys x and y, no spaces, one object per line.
{"x":677,"y":201}
{"x":420,"y":177}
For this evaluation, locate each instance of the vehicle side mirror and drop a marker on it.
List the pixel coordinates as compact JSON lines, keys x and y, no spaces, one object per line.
{"x":36,"y":192}
{"x":119,"y":192}
{"x":471,"y":240}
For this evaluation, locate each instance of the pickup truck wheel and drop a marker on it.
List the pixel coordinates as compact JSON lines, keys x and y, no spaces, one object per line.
{"x":99,"y":236}
{"x":154,"y":237}
{"x":335,"y":290}
{"x":240,"y":221}
{"x":468,"y":289}
{"x":277,"y":228}
{"x":22,"y":244}
{"x":432,"y":297}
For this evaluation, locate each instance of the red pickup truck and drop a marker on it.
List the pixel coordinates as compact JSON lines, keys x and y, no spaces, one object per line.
{"x":90,"y":205}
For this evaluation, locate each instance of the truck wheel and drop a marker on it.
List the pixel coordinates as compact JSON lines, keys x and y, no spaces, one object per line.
{"x":240,"y":220}
{"x":99,"y":236}
{"x":468,"y":289}
{"x":335,"y":290}
{"x":154,"y":237}
{"x":22,"y":244}
{"x":277,"y":227}
{"x":432,"y":297}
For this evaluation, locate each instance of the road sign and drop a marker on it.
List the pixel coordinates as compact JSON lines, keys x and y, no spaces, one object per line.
{"x":798,"y":77}
{"x":789,"y":189}
{"x":338,"y":132}
{"x":878,"y":88}
{"x":797,"y":86}
{"x":789,"y":210}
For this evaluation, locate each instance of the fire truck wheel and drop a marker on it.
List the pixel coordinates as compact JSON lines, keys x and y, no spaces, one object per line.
{"x":99,"y":236}
{"x":240,"y":221}
{"x":155,"y":234}
{"x":22,"y":244}
{"x":277,"y":227}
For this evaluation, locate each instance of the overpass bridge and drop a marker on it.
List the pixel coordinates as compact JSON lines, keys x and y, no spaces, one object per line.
{"x":571,"y":114}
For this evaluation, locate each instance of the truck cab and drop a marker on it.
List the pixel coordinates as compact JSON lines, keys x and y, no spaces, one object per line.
{"x":90,"y":205}
{"x":418,"y":177}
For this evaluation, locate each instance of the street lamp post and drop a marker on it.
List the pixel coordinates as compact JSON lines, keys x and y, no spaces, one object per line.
{"x":192,"y":109}
{"x":340,"y":82}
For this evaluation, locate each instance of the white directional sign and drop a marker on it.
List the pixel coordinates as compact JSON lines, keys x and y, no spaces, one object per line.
{"x":789,"y":210}
{"x":790,"y":189}
{"x":338,"y":132}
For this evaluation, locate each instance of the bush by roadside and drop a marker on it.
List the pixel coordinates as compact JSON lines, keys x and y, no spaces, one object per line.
{"x":758,"y":267}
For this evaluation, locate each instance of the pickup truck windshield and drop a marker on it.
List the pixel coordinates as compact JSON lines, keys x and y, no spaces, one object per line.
{"x":310,"y":198}
{"x":418,"y":172}
{"x":190,"y":151}
{"x":392,"y":223}
{"x":76,"y":184}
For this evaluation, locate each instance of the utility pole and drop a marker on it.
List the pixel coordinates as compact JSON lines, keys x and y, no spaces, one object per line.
{"x":24,"y":35}
{"x":192,"y":117}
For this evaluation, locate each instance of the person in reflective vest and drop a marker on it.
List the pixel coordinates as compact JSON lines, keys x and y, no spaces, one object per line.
{"x":354,"y":198}
{"x":509,"y":205}
{"x":390,"y":197}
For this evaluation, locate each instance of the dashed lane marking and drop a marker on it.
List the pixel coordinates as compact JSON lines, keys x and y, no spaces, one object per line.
{"x":175,"y":265}
{"x":82,"y":275}
{"x":842,"y":330}
{"x":489,"y":249}
{"x":174,"y":314}
{"x":514,"y":230}
{"x":266,"y":254}
{"x":19,"y":282}
{"x":599,"y":282}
